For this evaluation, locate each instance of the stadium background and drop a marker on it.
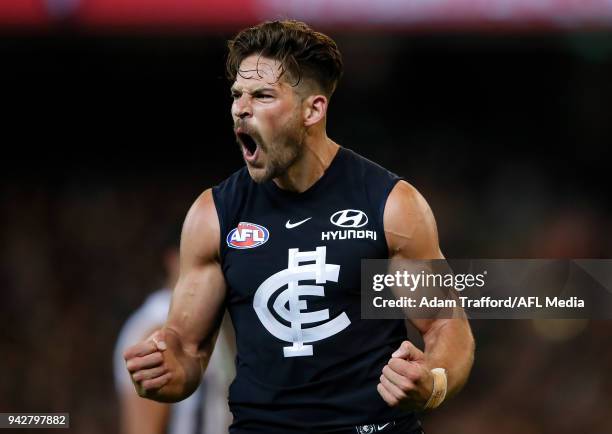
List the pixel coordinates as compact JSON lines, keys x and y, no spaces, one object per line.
{"x":116,"y":116}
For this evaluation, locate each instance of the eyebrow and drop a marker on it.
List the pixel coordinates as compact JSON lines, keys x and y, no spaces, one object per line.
{"x":256,"y":90}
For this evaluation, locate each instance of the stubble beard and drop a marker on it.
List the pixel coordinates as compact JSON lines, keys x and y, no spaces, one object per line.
{"x":280,"y":160}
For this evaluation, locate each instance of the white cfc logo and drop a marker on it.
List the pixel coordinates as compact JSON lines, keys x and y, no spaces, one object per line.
{"x":318,"y":271}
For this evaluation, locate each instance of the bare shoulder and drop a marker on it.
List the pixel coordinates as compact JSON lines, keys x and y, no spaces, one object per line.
{"x":410,"y":226}
{"x":404,"y":198}
{"x":201,"y":233}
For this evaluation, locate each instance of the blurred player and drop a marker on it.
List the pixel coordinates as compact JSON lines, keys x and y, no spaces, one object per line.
{"x":280,"y":244}
{"x":204,"y":412}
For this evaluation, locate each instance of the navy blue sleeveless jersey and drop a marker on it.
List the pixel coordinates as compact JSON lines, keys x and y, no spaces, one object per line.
{"x":307,"y":362}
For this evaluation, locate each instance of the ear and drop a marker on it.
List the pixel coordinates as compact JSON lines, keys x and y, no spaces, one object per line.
{"x":314,"y":109}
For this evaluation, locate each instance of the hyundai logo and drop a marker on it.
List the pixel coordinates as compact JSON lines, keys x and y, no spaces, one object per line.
{"x":349,"y":218}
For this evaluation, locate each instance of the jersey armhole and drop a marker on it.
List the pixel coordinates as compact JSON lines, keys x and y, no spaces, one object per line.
{"x":381,"y":211}
{"x":219,"y":211}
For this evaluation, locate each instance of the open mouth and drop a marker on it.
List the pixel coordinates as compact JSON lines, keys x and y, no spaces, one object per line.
{"x":248,"y":143}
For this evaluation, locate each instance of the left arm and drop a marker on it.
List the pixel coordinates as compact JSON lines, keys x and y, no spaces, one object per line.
{"x":406,"y":380}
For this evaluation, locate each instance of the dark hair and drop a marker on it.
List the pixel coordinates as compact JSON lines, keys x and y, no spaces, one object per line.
{"x":302,"y":52}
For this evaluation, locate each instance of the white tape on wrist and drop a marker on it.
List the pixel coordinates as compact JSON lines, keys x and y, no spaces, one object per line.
{"x":439,"y":388}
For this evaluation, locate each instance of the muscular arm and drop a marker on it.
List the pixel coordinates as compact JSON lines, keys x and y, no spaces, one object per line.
{"x":411,"y":233}
{"x":168,"y":366}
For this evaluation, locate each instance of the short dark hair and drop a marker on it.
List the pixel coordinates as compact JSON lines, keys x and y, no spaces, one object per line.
{"x":302,"y":52}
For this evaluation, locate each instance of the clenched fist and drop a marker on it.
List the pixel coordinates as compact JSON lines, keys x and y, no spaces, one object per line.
{"x":406,"y":381}
{"x":145,"y":362}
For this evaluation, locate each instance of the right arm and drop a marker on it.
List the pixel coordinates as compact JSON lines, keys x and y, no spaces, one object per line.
{"x":167,"y":367}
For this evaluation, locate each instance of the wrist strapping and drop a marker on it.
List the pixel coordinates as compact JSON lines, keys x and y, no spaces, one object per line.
{"x":439,"y":388}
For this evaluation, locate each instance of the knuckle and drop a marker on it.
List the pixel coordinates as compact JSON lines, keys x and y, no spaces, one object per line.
{"x":154,"y":358}
{"x":157,"y":372}
{"x":130,"y":352}
{"x":398,"y":365}
{"x":157,"y":382}
{"x":407,"y":386}
{"x":147,"y":361}
{"x":150,"y":374}
{"x":408,"y":370}
{"x":414,"y":377}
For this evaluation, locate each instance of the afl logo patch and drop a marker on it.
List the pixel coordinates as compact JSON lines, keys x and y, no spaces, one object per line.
{"x":247,"y":236}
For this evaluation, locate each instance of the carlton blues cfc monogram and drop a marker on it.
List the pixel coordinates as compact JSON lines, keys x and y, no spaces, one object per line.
{"x":290,"y":277}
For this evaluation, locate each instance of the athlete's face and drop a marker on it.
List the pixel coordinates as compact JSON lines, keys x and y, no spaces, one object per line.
{"x":267,"y":118}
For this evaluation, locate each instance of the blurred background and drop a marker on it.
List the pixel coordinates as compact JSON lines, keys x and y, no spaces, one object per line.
{"x":117,"y":115}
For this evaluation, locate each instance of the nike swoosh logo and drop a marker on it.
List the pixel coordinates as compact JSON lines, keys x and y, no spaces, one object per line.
{"x":290,"y":225}
{"x":381,"y":427}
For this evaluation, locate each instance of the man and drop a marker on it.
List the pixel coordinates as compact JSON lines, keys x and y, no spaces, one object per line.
{"x":279,"y":243}
{"x":205,"y":411}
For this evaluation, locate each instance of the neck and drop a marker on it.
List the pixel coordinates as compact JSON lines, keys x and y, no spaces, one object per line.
{"x":316,"y":157}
